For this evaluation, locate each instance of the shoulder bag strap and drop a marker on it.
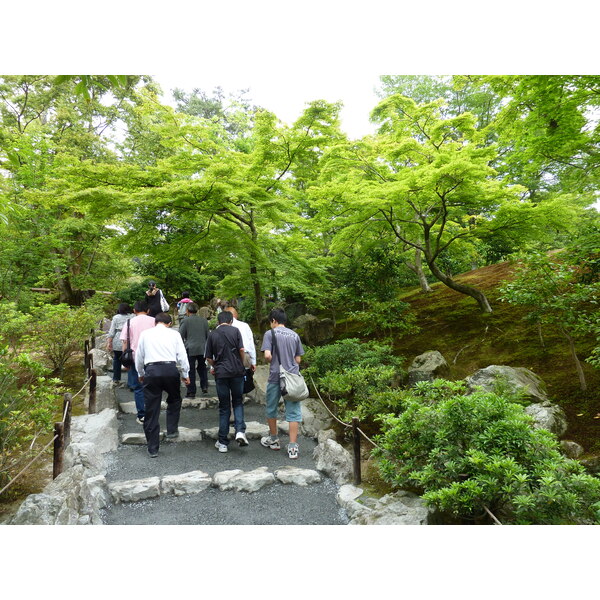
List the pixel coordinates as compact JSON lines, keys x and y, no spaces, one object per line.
{"x":275,"y":346}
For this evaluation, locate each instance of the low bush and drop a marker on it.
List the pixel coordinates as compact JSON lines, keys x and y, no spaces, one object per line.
{"x":466,"y":453}
{"x":359,"y":377}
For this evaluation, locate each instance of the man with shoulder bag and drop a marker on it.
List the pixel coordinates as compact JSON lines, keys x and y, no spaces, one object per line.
{"x":283,"y":350}
{"x":225,"y":354}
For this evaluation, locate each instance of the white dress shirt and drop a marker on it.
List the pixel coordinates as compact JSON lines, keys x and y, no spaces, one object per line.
{"x":247,"y":338}
{"x":161,"y":344}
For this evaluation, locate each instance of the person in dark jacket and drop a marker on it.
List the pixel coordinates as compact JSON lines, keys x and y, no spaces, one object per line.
{"x":194,"y":331}
{"x":225,"y":354}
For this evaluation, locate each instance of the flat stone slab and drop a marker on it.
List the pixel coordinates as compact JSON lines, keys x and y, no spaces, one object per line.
{"x":186,"y":435}
{"x":138,"y":438}
{"x":254,"y":431}
{"x":193,"y":482}
{"x":298,"y":476}
{"x":250,"y":481}
{"x":128,"y":408}
{"x":134,"y":490}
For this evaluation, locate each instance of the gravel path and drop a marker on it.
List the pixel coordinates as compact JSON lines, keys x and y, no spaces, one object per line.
{"x":276,"y":504}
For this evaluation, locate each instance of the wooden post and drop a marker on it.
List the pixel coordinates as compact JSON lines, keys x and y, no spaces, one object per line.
{"x":59,"y":446}
{"x":356,"y":444}
{"x":67,"y":405}
{"x":93,"y":343}
{"x":86,"y":355}
{"x":92,"y":396}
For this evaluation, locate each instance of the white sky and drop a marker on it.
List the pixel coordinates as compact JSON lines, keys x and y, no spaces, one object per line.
{"x":288,"y":101}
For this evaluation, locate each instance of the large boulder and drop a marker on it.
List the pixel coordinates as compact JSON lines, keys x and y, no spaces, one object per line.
{"x":335,"y":461}
{"x":100,"y":429}
{"x":548,"y":416}
{"x":514,"y":379}
{"x":101,"y":361}
{"x":314,"y":418}
{"x":428,"y":366}
{"x":261,"y":375}
{"x":314,"y":331}
{"x":571,"y":449}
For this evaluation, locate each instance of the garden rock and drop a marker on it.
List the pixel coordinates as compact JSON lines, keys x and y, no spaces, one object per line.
{"x":298,"y":476}
{"x":38,"y":509}
{"x":261,"y":376}
{"x":515,"y":379}
{"x":334,"y":460}
{"x":101,"y":361}
{"x":548,"y":416}
{"x":193,"y":482}
{"x":134,"y":490}
{"x":100,"y":429}
{"x":85,"y":454}
{"x":249,"y":481}
{"x":326,"y":434}
{"x":347,"y":498}
{"x":314,"y":418}
{"x":105,"y":394}
{"x":428,"y":366}
{"x":571,"y":449}
{"x":400,"y":508}
{"x":314,"y":331}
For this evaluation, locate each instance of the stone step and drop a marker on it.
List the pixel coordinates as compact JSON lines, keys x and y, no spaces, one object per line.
{"x":185,"y":435}
{"x":202,"y":403}
{"x":195,"y":482}
{"x":254,"y":431}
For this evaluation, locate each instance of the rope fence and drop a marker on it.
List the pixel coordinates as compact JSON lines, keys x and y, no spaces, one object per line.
{"x":357,"y":432}
{"x":62,"y":429}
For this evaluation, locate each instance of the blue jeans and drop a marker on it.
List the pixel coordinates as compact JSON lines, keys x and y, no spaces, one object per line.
{"x":117,"y":365}
{"x":230,"y":391}
{"x":138,"y":391}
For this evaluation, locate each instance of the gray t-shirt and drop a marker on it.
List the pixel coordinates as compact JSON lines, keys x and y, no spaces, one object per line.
{"x":290,"y":346}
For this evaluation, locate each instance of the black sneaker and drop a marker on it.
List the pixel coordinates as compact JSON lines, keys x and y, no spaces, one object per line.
{"x":172,"y":436}
{"x":205,"y":391}
{"x":152,"y":454}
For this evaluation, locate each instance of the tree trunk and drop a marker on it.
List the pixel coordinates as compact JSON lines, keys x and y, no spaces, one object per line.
{"x":580,"y":373}
{"x":417,"y":268}
{"x":459,"y":287}
{"x":258,"y":297}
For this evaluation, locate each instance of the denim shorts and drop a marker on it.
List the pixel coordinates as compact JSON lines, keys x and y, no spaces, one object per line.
{"x":293,"y":410}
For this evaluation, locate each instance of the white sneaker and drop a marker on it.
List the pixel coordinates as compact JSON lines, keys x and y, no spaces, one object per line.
{"x":241,"y":438}
{"x":270,"y":442}
{"x":220,"y":447}
{"x":292,"y":450}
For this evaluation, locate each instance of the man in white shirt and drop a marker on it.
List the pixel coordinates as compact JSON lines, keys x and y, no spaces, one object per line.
{"x":160,"y":351}
{"x":247,"y":339}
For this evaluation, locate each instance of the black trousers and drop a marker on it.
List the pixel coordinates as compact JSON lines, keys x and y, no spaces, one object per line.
{"x":159,"y":379}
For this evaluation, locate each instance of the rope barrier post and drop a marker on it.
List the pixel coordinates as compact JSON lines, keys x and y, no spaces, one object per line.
{"x":356,"y":444}
{"x":92,"y":397}
{"x":93,"y":342}
{"x":59,"y":447}
{"x":86,"y":355}
{"x":67,"y":406}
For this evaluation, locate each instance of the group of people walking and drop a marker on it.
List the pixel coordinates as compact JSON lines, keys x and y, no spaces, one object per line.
{"x":164,"y":356}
